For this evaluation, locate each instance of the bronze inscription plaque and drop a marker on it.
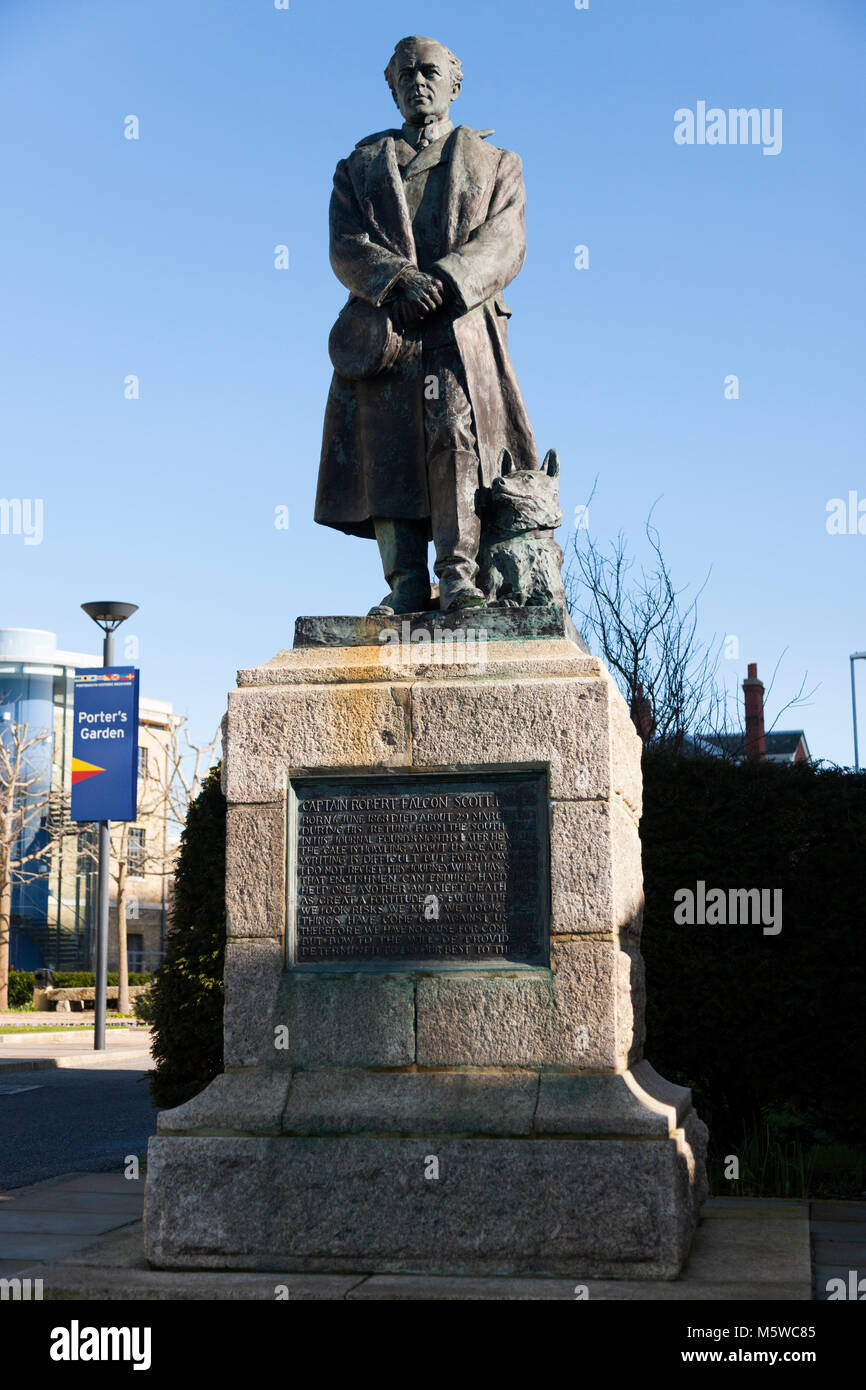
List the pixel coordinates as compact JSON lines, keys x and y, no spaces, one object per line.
{"x":424,"y":868}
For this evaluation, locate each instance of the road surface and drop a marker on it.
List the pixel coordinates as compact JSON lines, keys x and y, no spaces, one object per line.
{"x":73,"y":1120}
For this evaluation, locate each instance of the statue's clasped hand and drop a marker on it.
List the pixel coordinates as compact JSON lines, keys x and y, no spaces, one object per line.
{"x":417,"y":295}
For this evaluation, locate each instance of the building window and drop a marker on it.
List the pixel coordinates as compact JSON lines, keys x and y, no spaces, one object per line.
{"x":135,"y":951}
{"x":136,"y":852}
{"x":142,"y":761}
{"x":86,"y":844}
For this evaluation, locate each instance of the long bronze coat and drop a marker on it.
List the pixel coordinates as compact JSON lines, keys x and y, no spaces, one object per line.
{"x":373,"y":461}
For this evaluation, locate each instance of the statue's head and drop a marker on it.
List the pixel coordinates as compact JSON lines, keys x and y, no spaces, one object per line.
{"x":424,"y":77}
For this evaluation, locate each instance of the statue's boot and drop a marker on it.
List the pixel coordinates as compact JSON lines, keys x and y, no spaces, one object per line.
{"x":456,"y":526}
{"x":403,"y":549}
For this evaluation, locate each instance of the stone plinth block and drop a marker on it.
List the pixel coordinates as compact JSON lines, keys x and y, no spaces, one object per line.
{"x":270,"y":734}
{"x":434,"y":988}
{"x":580,"y":1207}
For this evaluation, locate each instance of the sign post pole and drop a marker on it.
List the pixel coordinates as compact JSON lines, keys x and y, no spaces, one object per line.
{"x":117,"y":789}
{"x":102,"y":900}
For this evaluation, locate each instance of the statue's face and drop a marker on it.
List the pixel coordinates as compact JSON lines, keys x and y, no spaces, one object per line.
{"x":424,"y":85}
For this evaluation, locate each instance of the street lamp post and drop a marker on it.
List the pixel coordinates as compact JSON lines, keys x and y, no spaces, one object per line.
{"x":109,"y":616}
{"x":855,"y":656}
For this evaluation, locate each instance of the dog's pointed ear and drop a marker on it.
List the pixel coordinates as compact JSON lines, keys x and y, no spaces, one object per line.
{"x":506,"y":463}
{"x":551,"y":463}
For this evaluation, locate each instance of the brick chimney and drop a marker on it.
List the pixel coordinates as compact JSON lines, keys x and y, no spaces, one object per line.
{"x":753,"y":692}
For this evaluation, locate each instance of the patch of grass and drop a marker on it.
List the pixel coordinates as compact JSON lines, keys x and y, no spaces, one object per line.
{"x":771,"y":1165}
{"x":784,"y":1152}
{"x":27,"y":1028}
{"x":838,"y":1170}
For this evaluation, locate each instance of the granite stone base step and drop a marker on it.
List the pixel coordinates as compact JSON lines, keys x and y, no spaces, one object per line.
{"x":751,"y":1251}
{"x":467,"y":1173}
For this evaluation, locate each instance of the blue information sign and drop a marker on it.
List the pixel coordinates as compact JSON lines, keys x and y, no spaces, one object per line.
{"x":105,"y":744}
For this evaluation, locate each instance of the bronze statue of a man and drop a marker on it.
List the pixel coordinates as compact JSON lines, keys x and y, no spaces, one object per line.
{"x":427,"y":228}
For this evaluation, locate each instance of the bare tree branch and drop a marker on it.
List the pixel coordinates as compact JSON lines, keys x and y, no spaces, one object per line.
{"x":647,"y":632}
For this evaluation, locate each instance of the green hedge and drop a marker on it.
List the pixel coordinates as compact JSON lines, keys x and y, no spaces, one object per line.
{"x":77,"y":979}
{"x":758,"y":1023}
{"x":20,"y":988}
{"x":185,"y":1002}
{"x":767,"y":1030}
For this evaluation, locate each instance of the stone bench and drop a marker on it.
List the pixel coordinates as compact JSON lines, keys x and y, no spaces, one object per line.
{"x":78,"y":998}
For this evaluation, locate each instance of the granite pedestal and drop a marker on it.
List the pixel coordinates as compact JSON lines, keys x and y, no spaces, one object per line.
{"x":447,"y":1081}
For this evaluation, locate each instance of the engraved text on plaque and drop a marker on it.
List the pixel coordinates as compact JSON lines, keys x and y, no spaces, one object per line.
{"x":420,"y":868}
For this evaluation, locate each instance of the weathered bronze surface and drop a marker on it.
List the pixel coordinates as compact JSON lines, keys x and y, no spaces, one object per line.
{"x":423,"y":868}
{"x":425,"y":636}
{"x":425,"y":416}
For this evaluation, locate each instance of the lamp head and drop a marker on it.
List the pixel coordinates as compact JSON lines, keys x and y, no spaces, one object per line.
{"x":109,"y":615}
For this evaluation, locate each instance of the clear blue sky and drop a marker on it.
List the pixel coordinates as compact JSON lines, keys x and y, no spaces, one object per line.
{"x":155,"y":257}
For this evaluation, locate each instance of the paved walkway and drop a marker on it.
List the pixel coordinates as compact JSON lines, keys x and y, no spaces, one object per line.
{"x":65,"y":1047}
{"x":839,"y":1247}
{"x":53,"y":1219}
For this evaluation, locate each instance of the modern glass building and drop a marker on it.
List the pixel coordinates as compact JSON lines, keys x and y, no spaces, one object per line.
{"x":53,"y":897}
{"x":53,"y":909}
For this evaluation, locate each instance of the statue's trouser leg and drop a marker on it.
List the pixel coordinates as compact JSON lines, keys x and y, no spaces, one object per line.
{"x":403,"y":550}
{"x":453,"y":481}
{"x":452,"y":475}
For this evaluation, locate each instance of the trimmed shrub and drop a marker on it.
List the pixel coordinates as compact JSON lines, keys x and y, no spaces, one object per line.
{"x":185,"y":1001}
{"x":20,"y":988}
{"x":86,"y":979}
{"x":758,"y":1023}
{"x":142,"y":1006}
